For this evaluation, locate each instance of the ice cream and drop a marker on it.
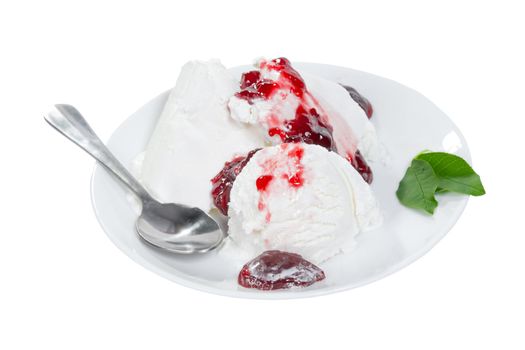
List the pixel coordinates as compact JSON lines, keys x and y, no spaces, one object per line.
{"x":291,"y":107}
{"x":299,"y":198}
{"x":282,"y":155}
{"x":195,"y":135}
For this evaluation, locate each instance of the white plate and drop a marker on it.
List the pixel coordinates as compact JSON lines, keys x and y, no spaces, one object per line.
{"x":406,"y":122}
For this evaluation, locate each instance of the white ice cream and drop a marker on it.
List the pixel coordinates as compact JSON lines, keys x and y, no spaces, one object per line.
{"x":352,"y":129}
{"x":197,"y":133}
{"x":195,"y":136}
{"x":346,"y":118}
{"x":318,"y":219}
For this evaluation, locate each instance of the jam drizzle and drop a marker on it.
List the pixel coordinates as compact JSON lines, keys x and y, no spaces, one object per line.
{"x":222,"y":182}
{"x":309,"y":124}
{"x":289,"y":159}
{"x":360,"y":99}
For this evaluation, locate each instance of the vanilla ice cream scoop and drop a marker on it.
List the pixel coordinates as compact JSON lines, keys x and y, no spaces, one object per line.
{"x":299,"y":198}
{"x":195,"y":136}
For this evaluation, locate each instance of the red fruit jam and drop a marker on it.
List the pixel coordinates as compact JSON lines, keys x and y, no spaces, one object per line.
{"x":250,"y":78}
{"x":222,"y":182}
{"x":359,"y":163}
{"x":297,"y":178}
{"x":286,"y":165}
{"x":263,"y":182}
{"x":275,"y":269}
{"x":308,"y":125}
{"x":361,"y":100}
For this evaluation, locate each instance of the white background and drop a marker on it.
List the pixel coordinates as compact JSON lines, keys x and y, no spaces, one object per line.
{"x":63,"y":285}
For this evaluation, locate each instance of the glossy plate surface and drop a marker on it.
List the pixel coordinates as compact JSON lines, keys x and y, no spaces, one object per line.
{"x":406,"y":122}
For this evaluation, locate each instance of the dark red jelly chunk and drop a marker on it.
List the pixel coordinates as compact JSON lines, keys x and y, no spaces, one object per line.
{"x":361,"y":100}
{"x":263,"y":181}
{"x":289,"y":74}
{"x":306,"y":127}
{"x":362,"y":167}
{"x":253,"y":87}
{"x":262,"y":89}
{"x":275,"y":269}
{"x":248,"y":95}
{"x":250,"y":78}
{"x":297,"y":179}
{"x":266,"y":88}
{"x":281,"y":61}
{"x":222,"y":182}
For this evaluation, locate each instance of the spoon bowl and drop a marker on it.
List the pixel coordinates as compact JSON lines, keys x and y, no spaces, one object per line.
{"x":178,"y":228}
{"x":173,"y":227}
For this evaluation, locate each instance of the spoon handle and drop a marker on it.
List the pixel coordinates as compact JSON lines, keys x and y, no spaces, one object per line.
{"x":70,"y":123}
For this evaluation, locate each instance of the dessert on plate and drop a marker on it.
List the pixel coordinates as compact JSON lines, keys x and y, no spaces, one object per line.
{"x":283,"y":155}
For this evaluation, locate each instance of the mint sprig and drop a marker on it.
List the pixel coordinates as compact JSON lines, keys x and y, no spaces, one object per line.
{"x":454,"y":173}
{"x":417,"y":188}
{"x":436,"y":172}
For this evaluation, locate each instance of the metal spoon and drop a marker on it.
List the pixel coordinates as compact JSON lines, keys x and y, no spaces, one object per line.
{"x":174,"y":227}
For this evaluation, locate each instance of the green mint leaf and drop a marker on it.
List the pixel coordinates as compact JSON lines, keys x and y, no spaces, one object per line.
{"x":454,"y":173}
{"x":416,"y":189}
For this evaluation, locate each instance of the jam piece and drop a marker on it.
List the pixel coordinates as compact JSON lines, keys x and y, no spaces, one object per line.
{"x":362,"y":167}
{"x":247,"y":95}
{"x":250,"y":78}
{"x":222,"y":182}
{"x":306,"y":127}
{"x":262,"y":182}
{"x":266,"y":88}
{"x":297,"y":179}
{"x":278,"y":132}
{"x":253,"y":87}
{"x":290,"y":75}
{"x":261,"y":89}
{"x":275,"y":269}
{"x":361,"y":100}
